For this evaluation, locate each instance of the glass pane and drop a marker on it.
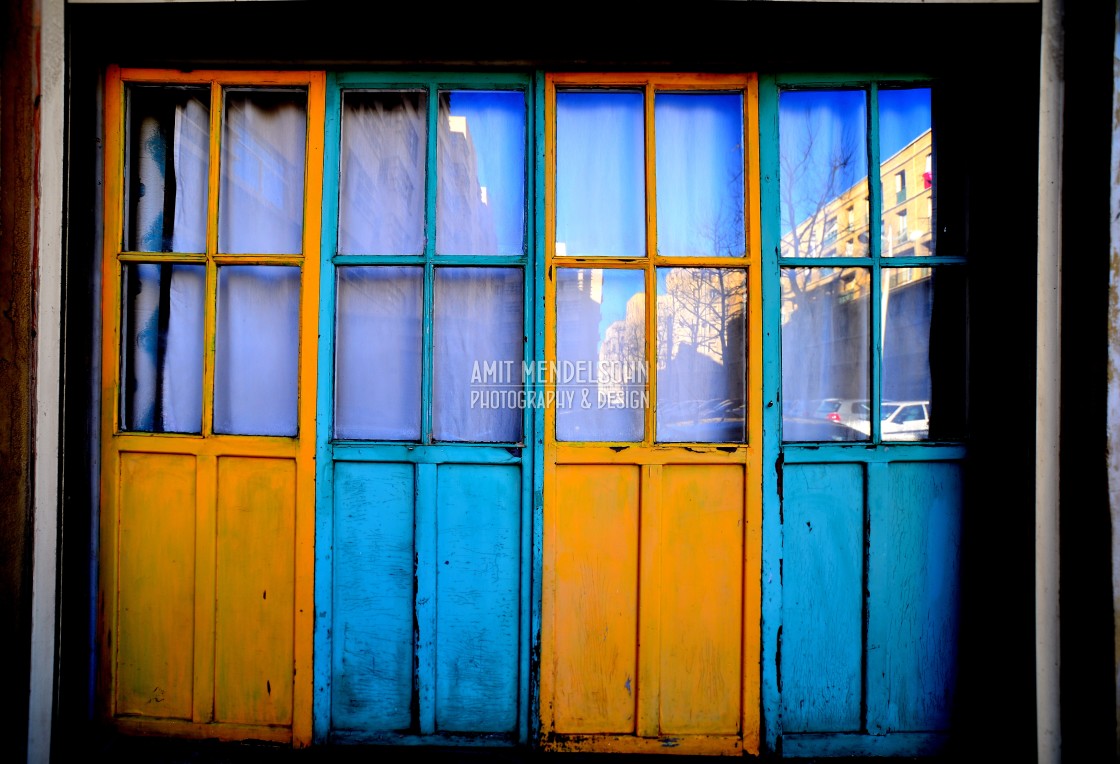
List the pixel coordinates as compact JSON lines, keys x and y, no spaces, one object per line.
{"x":906,"y":154}
{"x":700,"y":175}
{"x":381,"y":177}
{"x":826,"y":340}
{"x":923,"y":353}
{"x":478,"y":338}
{"x":166,"y":161}
{"x":161,"y":347}
{"x":600,"y":175}
{"x":378,"y":341}
{"x":701,"y":354}
{"x":256,"y":365}
{"x":480,"y":205}
{"x":264,"y":140}
{"x":601,"y":370}
{"x":823,"y":173}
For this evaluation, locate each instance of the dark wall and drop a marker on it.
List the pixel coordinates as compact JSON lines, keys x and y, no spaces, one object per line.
{"x":18,"y":207}
{"x":988,"y":57}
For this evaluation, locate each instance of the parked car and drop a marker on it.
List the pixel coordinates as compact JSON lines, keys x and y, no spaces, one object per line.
{"x":810,"y":429}
{"x":843,"y":410}
{"x":900,"y":420}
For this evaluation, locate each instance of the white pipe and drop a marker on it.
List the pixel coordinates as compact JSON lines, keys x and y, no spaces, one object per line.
{"x":1048,"y":392}
{"x":1114,"y":365}
{"x":47,"y":351}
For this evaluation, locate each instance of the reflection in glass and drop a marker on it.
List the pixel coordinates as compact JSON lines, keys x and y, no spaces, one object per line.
{"x":923,"y":353}
{"x":906,"y":151}
{"x":479,"y":342}
{"x":264,"y":139}
{"x":701,"y":354}
{"x":161,"y":347}
{"x":600,"y":174}
{"x":381,"y":173}
{"x":480,"y":204}
{"x":826,"y":339}
{"x":823,"y":173}
{"x":166,"y":161}
{"x":378,"y":339}
{"x":601,"y":371}
{"x":700,"y":175}
{"x":256,"y":360}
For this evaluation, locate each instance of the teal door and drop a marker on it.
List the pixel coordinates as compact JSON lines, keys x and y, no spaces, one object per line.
{"x":423,"y":547}
{"x":862,"y":515}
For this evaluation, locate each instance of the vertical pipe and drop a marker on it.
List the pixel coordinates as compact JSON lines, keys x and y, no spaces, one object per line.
{"x":48,"y":342}
{"x":1048,"y":391}
{"x":1114,"y":364}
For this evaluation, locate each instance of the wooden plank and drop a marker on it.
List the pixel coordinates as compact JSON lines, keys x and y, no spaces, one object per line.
{"x":650,"y":592}
{"x":650,"y":454}
{"x":822,"y":598}
{"x":155,"y":635}
{"x":478,"y":558}
{"x":805,"y":453}
{"x":372,"y":608}
{"x":687,"y":745}
{"x":701,"y":548}
{"x":914,"y":596}
{"x":205,"y":584}
{"x":426,"y":594}
{"x":304,"y":593}
{"x":324,"y":425}
{"x":254,"y":619}
{"x":897,"y":744}
{"x":596,"y":589}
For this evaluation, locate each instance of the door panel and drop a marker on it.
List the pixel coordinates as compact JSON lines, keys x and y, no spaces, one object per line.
{"x":822,"y":581}
{"x":477,"y":596}
{"x":254,"y":618}
{"x":155,"y":658}
{"x":594,"y":546}
{"x":701,"y":598}
{"x":372,"y":611}
{"x":913,"y":590}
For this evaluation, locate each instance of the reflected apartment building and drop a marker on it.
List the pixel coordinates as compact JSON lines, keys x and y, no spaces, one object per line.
{"x":841,"y":227}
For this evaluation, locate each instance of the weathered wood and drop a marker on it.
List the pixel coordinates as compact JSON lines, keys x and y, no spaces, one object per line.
{"x":371,"y":613}
{"x":822,"y":599}
{"x":913,"y":596}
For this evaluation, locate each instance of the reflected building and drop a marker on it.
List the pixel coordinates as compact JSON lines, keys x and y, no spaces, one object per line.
{"x":701,"y":323}
{"x":825,"y":309}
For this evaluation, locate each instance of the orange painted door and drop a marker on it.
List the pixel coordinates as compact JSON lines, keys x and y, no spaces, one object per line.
{"x":651,"y":562}
{"x":210,"y":275}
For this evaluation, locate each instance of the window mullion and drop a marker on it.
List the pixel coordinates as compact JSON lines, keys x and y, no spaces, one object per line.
{"x":876,"y":243}
{"x":430,"y":192}
{"x":650,"y":268}
{"x":211,"y":300}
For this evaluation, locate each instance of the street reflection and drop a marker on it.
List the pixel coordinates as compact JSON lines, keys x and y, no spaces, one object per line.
{"x":701,"y":354}
{"x":600,"y":376}
{"x":826,"y":317}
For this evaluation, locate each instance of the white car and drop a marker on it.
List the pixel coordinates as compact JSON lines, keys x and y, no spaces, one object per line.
{"x":900,"y":420}
{"x":843,"y":410}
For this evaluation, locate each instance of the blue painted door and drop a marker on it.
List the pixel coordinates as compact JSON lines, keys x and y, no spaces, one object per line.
{"x":863,"y":509}
{"x":423,"y":544}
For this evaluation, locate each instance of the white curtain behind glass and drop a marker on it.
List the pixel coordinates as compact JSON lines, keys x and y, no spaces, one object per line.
{"x":178,"y":384}
{"x":377,"y":353}
{"x":381,"y":174}
{"x":257,"y":353}
{"x":478,"y":322}
{"x":263,"y":147}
